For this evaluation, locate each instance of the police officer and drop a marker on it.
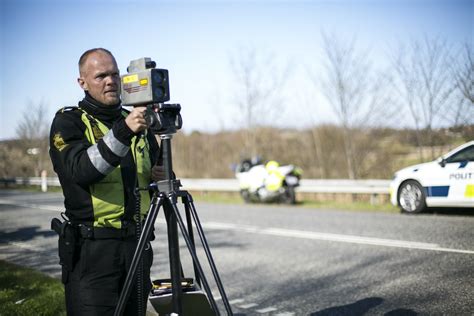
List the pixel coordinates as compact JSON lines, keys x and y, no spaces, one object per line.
{"x":101,"y":153}
{"x":274,"y":179}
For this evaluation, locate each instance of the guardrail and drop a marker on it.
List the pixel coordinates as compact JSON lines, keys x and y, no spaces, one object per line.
{"x":232,"y":185}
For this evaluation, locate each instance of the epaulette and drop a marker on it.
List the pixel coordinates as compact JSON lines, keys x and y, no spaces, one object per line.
{"x":67,"y":109}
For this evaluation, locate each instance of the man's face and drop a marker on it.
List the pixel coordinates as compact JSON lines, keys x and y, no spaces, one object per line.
{"x":101,"y":78}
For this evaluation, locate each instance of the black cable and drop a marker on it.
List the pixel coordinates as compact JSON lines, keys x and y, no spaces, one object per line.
{"x":140,"y":276}
{"x":138,"y":231}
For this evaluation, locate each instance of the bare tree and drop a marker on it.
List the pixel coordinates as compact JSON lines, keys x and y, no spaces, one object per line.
{"x":463,"y":72}
{"x":258,"y":83}
{"x":313,"y":137}
{"x":355,"y":90}
{"x":461,"y":113}
{"x":32,"y":132}
{"x":425,"y":85}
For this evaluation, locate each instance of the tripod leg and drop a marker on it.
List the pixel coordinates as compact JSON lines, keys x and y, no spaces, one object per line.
{"x":191,"y":234}
{"x":195,"y":258}
{"x":209,"y":255}
{"x":175,"y":262}
{"x":155,"y":205}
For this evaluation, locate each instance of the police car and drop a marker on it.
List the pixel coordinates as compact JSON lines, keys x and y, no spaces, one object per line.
{"x":446,"y":182}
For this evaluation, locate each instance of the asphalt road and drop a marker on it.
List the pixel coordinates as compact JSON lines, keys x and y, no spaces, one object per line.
{"x":280,"y":260}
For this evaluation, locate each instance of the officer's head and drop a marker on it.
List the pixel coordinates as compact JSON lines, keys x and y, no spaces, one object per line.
{"x":100,"y":76}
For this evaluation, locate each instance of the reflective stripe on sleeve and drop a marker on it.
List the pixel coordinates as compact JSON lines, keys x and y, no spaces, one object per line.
{"x":115,"y":145}
{"x":98,"y":161}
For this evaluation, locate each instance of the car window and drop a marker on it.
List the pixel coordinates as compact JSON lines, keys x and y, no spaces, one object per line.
{"x":467,"y":154}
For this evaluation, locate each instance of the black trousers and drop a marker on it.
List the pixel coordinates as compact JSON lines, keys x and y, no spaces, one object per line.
{"x":94,"y":285}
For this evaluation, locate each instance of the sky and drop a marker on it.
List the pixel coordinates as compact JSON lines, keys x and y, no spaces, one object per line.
{"x":42,"y":40}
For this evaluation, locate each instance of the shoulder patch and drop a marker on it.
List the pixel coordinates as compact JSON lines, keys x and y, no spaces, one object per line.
{"x":59,"y":142}
{"x":67,"y":109}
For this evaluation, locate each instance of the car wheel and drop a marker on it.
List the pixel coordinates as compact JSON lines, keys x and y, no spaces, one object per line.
{"x":411,"y":197}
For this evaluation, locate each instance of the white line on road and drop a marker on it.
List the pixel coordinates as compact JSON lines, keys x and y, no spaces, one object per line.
{"x":292,"y":233}
{"x":31,"y":205}
{"x":266,"y":310}
{"x":247,"y":306}
{"x":333,"y":237}
{"x":22,"y":245}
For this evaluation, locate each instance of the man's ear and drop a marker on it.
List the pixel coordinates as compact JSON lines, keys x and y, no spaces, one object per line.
{"x":82,"y":83}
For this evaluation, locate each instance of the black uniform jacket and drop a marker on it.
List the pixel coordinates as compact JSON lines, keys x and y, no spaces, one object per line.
{"x":76,"y":172}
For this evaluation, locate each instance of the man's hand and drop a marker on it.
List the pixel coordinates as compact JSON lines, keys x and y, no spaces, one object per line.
{"x":158,"y":173}
{"x":136,"y":120}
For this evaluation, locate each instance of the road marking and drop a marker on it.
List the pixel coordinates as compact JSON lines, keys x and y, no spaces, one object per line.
{"x":285,"y":314}
{"x":23,"y":245}
{"x":236,"y":301}
{"x":291,"y":233}
{"x":247,"y":306}
{"x":333,"y":237}
{"x":32,"y":205}
{"x":266,"y":310}
{"x":20,"y":245}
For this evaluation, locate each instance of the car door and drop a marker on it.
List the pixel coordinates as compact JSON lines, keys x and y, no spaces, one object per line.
{"x":460,"y":169}
{"x":435,"y":179}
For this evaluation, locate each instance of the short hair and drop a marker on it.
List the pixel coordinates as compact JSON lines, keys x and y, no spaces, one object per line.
{"x":85,"y":55}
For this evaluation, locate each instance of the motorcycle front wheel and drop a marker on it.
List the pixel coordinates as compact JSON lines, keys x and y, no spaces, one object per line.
{"x":289,"y":196}
{"x":245,"y":194}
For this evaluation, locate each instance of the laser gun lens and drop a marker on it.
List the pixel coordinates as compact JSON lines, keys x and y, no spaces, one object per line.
{"x":158,"y":77}
{"x":159,"y":92}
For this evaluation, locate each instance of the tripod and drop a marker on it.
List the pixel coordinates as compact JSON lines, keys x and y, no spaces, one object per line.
{"x":166,"y":194}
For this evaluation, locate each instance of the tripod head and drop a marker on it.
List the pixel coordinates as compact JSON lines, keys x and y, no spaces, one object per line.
{"x":163,"y":119}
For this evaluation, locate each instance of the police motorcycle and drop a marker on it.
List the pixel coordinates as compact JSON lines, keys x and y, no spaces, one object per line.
{"x":268,"y":182}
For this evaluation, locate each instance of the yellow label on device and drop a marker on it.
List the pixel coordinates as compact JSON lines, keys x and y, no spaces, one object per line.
{"x":130,"y":79}
{"x":143,"y":82}
{"x":469,"y":191}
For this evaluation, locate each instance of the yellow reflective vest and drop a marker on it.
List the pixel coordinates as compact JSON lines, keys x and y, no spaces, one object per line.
{"x":108,"y":196}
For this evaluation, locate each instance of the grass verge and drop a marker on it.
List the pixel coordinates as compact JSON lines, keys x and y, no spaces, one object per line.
{"x":337,"y":202}
{"x":24,"y":291}
{"x":234,"y":198}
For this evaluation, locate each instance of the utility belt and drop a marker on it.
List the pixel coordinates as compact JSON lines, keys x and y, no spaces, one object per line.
{"x":71,"y":236}
{"x":89,"y":232}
